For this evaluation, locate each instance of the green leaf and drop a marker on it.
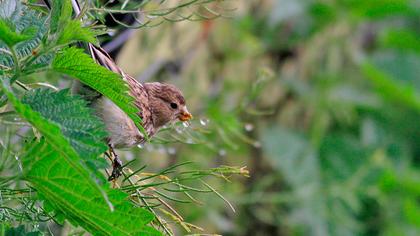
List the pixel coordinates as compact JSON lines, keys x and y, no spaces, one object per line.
{"x":25,"y":22}
{"x":53,"y":167}
{"x":335,"y":151}
{"x":60,"y":15}
{"x":382,"y":8}
{"x":73,"y":31}
{"x":9,"y":36}
{"x":390,"y":88}
{"x":412,"y":211}
{"x":287,"y":150}
{"x":68,"y":30}
{"x":402,"y":39}
{"x":53,"y":135}
{"x":66,"y":192}
{"x":49,"y":130}
{"x":85,"y":132}
{"x":74,"y":62}
{"x":20,"y":231}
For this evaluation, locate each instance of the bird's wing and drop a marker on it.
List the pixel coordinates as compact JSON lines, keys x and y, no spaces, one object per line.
{"x":138,"y":91}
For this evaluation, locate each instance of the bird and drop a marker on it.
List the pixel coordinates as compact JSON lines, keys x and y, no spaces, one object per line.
{"x":158,"y":104}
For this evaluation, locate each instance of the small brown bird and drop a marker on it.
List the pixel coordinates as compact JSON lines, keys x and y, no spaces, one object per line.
{"x":158,"y":103}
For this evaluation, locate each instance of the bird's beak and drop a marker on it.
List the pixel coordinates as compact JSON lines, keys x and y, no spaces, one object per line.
{"x":185,"y":115}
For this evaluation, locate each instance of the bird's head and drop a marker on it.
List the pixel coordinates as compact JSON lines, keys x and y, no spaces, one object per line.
{"x":167,"y":103}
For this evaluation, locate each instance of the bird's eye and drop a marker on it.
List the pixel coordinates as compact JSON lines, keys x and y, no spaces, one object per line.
{"x":174,"y":105}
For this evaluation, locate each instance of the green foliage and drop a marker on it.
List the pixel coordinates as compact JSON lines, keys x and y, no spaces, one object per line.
{"x":10,"y":37}
{"x":83,"y":130}
{"x":67,"y":29}
{"x":60,"y":15}
{"x":74,"y":62}
{"x":341,"y":141}
{"x":73,"y":31}
{"x":390,"y":88}
{"x":25,"y":24}
{"x":63,"y":165}
{"x":68,"y":195}
{"x":18,"y":231}
{"x":402,"y":39}
{"x":49,"y":130}
{"x":53,"y":168}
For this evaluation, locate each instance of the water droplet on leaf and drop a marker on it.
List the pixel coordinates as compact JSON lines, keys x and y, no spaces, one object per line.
{"x":222,"y":152}
{"x":204,"y":121}
{"x":249,"y":127}
{"x":171,"y":150}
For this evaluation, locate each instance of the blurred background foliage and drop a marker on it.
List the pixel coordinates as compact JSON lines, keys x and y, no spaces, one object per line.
{"x":319,"y":99}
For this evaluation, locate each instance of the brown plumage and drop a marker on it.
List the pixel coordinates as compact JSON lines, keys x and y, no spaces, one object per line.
{"x":158,"y":103}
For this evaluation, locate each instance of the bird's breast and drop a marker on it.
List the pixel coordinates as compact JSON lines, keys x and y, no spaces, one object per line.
{"x":123,"y":133}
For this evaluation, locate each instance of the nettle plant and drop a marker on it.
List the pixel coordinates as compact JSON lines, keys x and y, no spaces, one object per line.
{"x":52,"y":163}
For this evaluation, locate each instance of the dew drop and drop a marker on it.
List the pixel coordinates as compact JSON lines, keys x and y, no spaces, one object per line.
{"x":249,"y":127}
{"x":171,"y":150}
{"x":141,"y":146}
{"x":186,"y":124}
{"x":204,"y":121}
{"x":222,"y":152}
{"x":19,"y":163}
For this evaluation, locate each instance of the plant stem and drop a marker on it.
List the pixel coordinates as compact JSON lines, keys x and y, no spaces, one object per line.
{"x":16,"y":63}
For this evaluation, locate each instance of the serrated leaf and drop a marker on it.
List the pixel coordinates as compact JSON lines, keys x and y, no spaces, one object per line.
{"x":74,"y":62}
{"x":53,"y":167}
{"x":85,"y":132}
{"x":26,"y":22}
{"x":66,"y":193}
{"x":60,"y":14}
{"x":53,"y":135}
{"x":73,"y":31}
{"x":49,"y":130}
{"x":9,"y":36}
